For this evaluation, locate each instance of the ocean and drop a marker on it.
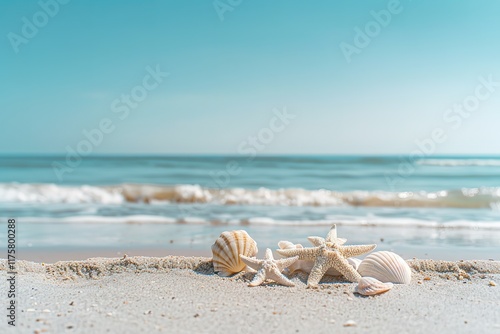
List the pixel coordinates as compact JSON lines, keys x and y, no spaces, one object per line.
{"x":438,"y":207}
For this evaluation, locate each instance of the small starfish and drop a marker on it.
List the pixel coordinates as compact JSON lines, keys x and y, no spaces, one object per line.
{"x":269,"y":268}
{"x":329,"y":253}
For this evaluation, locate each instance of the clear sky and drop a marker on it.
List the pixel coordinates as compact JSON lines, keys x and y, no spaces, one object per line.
{"x":226,"y":76}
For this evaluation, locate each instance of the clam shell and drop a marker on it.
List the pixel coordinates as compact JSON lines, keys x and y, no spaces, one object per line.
{"x":227,"y":249}
{"x":386,"y":267}
{"x":369,"y":286}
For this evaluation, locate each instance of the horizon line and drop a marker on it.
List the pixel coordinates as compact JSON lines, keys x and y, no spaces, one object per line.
{"x":101,"y":155}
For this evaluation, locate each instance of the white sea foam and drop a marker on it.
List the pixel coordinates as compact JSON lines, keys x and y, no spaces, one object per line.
{"x":132,"y":219}
{"x":186,"y":194}
{"x":353,"y":221}
{"x":51,"y":193}
{"x":460,"y":162}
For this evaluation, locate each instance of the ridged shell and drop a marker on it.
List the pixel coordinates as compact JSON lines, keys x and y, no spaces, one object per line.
{"x":386,"y":267}
{"x":355,"y":262}
{"x":306,"y":265}
{"x":227,"y":249}
{"x":369,"y":286}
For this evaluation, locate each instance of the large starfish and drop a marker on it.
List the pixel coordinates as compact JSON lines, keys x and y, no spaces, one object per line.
{"x":269,"y":268}
{"x":329,"y":253}
{"x":307,"y":265}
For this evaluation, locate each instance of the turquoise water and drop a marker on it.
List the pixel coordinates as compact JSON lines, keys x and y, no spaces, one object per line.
{"x":440,"y":203}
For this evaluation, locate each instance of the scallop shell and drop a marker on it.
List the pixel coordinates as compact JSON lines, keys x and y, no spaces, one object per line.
{"x":369,"y":286}
{"x":386,"y":267}
{"x":227,"y":249}
{"x":307,"y":265}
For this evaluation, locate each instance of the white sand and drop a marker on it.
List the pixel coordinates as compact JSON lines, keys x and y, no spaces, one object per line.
{"x":182,"y":295}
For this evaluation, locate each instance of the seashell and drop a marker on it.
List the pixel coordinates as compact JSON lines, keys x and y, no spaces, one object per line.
{"x":307,"y":265}
{"x":355,"y":262}
{"x":297,"y":265}
{"x":386,"y":267}
{"x":369,"y":286}
{"x":227,"y":249}
{"x":288,"y":245}
{"x":350,"y":323}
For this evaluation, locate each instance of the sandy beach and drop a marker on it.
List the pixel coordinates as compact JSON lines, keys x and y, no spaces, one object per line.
{"x":210,"y":166}
{"x":176,"y":294}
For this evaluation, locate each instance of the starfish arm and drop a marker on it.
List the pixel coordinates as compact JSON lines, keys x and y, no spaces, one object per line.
{"x":343,"y":266}
{"x":332,"y":234}
{"x":251,"y":262}
{"x":269,"y":254}
{"x":302,"y":253}
{"x":316,"y":241}
{"x":280,"y":278}
{"x":317,"y":272}
{"x":259,"y":278}
{"x":350,"y":251}
{"x":285,"y":263}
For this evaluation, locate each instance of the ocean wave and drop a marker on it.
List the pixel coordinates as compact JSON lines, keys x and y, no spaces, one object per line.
{"x":51,"y":193}
{"x":460,"y":162}
{"x":189,"y":194}
{"x":253,"y":221}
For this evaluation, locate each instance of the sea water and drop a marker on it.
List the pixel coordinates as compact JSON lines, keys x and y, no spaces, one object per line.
{"x":446,"y":205}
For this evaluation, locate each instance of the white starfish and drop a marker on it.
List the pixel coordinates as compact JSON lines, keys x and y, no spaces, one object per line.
{"x":269,"y":268}
{"x":330,"y":237}
{"x":329,"y":253}
{"x":307,"y":265}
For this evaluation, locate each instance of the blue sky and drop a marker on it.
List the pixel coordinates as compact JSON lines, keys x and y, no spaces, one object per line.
{"x":227,"y":76}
